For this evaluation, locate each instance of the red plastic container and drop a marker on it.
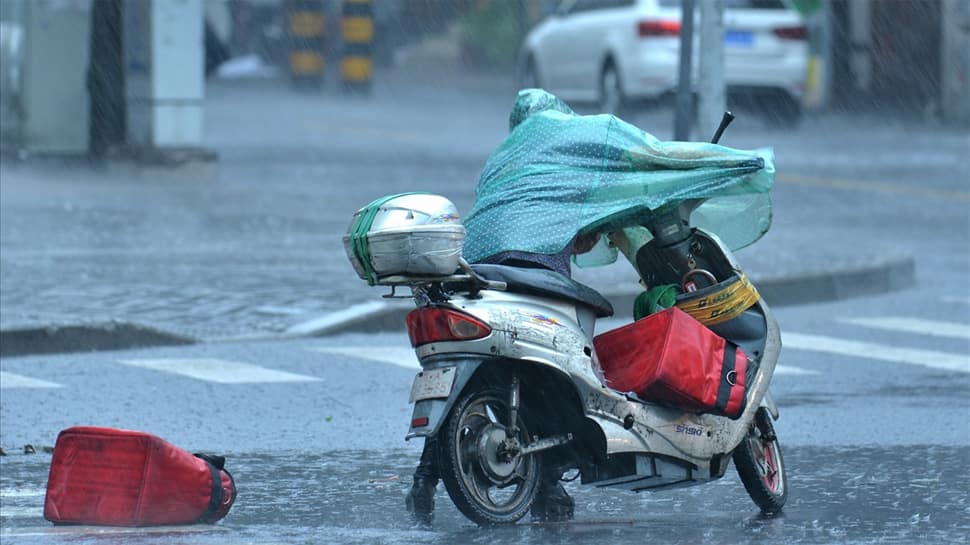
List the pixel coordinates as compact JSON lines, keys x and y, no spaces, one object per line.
{"x":671,"y":357}
{"x":115,"y":477}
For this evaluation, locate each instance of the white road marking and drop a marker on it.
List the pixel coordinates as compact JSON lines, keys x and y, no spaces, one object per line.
{"x":912,"y":356}
{"x":22,"y":492}
{"x":394,"y":355}
{"x":956,"y":299}
{"x":338,"y":318}
{"x":220,"y":371}
{"x":791,"y":370}
{"x":914,"y":325}
{"x":13,"y":380}
{"x":28,"y":512}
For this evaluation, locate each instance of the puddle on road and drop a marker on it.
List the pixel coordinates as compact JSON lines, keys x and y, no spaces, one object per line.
{"x":842,"y":495}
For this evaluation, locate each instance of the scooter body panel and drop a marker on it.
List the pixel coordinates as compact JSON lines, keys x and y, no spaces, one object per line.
{"x":688,"y":448}
{"x":545,"y":332}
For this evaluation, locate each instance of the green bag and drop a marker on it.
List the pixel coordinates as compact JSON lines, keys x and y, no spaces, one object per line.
{"x":654,"y":300}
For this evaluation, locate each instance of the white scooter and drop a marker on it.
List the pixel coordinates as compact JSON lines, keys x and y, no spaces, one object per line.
{"x":511,"y":382}
{"x":512,"y":388}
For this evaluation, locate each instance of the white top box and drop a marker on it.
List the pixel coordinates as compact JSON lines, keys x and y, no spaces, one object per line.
{"x":412,"y":234}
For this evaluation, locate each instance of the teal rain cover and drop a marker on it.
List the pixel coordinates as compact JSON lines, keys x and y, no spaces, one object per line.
{"x":558,"y":174}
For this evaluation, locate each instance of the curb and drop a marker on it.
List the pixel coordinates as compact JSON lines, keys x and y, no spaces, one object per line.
{"x":381,"y":316}
{"x":365,"y":317}
{"x":85,"y":338}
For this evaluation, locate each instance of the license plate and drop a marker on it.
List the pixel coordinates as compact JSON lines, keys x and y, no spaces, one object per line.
{"x":432,"y":383}
{"x":737,"y":37}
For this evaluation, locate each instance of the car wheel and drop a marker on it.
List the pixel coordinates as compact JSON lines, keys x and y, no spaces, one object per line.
{"x":611,"y":91}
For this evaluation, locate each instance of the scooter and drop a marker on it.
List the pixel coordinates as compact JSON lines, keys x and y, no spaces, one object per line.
{"x":511,"y":387}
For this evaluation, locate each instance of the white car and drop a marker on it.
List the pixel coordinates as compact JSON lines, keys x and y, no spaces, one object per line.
{"x":615,"y":51}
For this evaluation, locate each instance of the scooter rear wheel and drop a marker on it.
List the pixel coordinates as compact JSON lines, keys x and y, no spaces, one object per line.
{"x":761,"y":467}
{"x":485,"y":483}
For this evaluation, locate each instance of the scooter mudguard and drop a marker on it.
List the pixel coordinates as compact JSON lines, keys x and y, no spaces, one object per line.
{"x":768,"y":402}
{"x":429,"y":414}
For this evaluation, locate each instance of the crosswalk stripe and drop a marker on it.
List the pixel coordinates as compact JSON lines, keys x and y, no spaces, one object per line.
{"x":396,"y":355}
{"x":792,"y":370}
{"x":956,"y":299}
{"x":912,"y":356}
{"x":13,"y":380}
{"x":914,"y":325}
{"x":7,"y":493}
{"x":18,"y":512}
{"x":220,"y":371}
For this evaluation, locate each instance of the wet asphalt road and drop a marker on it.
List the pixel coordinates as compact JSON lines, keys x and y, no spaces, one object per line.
{"x":838,"y":495}
{"x":877,"y":449}
{"x":257,"y":248}
{"x":877,"y":440}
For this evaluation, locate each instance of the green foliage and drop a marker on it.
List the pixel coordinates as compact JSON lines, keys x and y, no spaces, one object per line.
{"x":491,"y":33}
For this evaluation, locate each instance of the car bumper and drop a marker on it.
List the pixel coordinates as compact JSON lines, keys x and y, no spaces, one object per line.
{"x":654,"y":69}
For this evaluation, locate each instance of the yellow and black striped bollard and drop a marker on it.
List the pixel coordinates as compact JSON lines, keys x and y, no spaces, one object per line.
{"x":358,"y":36}
{"x":307,"y":32}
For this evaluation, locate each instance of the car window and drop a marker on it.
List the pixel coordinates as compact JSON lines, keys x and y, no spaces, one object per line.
{"x":617,"y":3}
{"x":737,"y":4}
{"x":590,"y":5}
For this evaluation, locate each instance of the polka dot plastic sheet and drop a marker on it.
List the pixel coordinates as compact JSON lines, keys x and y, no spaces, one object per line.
{"x":558,"y":174}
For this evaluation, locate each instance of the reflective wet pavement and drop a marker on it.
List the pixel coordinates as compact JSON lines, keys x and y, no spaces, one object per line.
{"x":257,"y":249}
{"x":845,"y":495}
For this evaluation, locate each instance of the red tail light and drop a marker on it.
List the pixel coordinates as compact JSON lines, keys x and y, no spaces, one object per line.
{"x":420,"y":422}
{"x":791,"y":33}
{"x":430,"y":325}
{"x":648,"y":29}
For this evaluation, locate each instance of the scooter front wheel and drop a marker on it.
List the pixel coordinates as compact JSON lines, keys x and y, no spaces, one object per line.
{"x":489,"y":483}
{"x":761,"y":467}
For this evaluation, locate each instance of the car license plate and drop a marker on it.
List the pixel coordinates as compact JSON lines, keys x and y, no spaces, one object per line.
{"x":432,"y":383}
{"x":738,"y":38}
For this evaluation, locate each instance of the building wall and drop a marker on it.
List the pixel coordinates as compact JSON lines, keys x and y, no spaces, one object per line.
{"x":910,"y":58}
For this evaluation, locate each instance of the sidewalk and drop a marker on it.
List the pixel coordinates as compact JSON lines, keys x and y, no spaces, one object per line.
{"x":255,"y":250}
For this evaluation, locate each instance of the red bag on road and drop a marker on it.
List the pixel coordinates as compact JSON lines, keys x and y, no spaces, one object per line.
{"x":117,"y":477}
{"x":671,"y":357}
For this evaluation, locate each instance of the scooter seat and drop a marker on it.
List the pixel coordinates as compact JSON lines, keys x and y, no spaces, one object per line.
{"x":545,"y":283}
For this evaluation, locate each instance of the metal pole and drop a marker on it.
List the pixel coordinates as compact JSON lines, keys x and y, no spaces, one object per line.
{"x":710,"y":85}
{"x":825,"y":88}
{"x":682,"y":117}
{"x":860,"y":21}
{"x":955,"y":59}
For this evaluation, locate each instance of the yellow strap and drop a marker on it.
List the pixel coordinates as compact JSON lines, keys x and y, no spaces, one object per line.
{"x":724,"y":304}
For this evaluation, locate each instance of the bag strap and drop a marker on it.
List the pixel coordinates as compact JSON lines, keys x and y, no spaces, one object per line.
{"x":216,"y":465}
{"x":726,"y":383}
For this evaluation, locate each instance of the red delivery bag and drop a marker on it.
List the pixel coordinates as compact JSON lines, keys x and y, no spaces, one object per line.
{"x":117,"y":477}
{"x":671,"y":357}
